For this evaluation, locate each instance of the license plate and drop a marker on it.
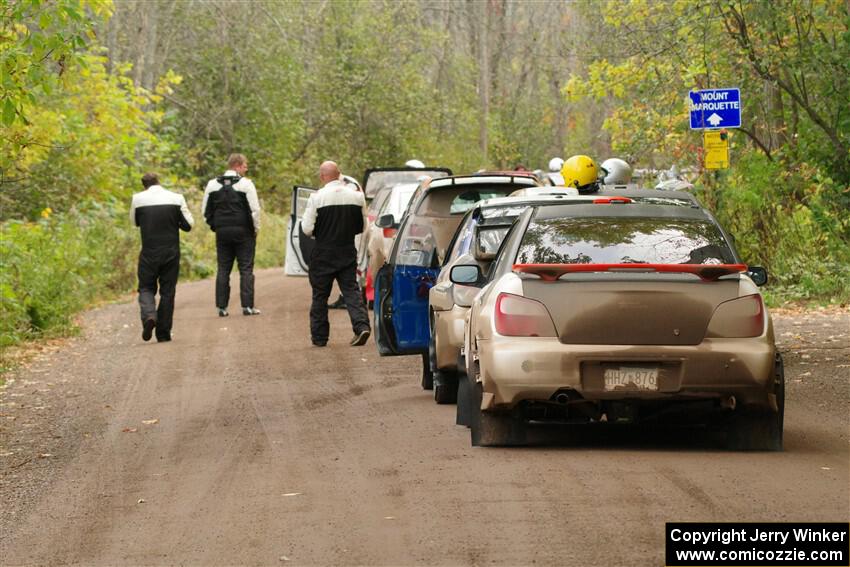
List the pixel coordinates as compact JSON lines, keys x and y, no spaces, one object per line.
{"x":631,"y":378}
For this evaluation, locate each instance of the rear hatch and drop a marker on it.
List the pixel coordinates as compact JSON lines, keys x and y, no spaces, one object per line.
{"x":633,"y":304}
{"x":670,"y":310}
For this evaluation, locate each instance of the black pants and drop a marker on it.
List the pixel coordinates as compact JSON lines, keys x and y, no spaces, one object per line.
{"x":159,"y":267}
{"x":235,"y":243}
{"x":327,"y":265}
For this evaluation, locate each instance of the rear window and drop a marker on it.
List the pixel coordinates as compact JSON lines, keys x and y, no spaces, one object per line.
{"x":397,"y":203}
{"x":457,"y":199}
{"x":467,"y":200}
{"x":378,"y":202}
{"x":622,"y":240}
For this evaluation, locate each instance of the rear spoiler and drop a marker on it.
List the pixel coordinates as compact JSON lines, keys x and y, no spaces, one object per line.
{"x":707,"y":272}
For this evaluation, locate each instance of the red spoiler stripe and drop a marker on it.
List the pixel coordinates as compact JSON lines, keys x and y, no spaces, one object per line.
{"x":708,"y":272}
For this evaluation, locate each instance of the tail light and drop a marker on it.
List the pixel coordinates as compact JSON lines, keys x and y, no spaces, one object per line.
{"x":518,"y":316}
{"x":390,"y":232}
{"x":738,"y":318}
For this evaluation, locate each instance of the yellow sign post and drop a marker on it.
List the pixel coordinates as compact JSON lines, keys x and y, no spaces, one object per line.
{"x":716,"y":149}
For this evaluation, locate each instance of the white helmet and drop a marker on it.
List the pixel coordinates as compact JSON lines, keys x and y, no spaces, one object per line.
{"x":555,"y":164}
{"x":674,"y":185}
{"x":617,"y":172}
{"x":414,"y":163}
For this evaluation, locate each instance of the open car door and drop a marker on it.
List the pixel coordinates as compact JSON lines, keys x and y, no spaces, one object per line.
{"x":376,"y":178}
{"x":298,"y":245}
{"x":401,"y":293}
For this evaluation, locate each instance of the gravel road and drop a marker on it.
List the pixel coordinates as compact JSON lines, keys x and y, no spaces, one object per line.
{"x":239,"y":443}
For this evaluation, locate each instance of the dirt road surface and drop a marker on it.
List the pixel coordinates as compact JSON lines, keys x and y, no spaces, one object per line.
{"x":240,"y":444}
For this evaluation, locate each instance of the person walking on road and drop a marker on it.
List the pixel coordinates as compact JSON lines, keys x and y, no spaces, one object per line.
{"x":160,"y":215}
{"x":334,"y":216}
{"x":232,"y":210}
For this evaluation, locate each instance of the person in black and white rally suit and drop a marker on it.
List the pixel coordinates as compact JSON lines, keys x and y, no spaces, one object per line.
{"x":334,"y":216}
{"x":160,"y":215}
{"x":232,"y":210}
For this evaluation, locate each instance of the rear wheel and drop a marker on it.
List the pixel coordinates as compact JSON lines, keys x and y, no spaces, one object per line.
{"x":760,"y":429}
{"x":492,"y":429}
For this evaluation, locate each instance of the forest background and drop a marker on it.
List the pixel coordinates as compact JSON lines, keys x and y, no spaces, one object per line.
{"x":95,"y":92}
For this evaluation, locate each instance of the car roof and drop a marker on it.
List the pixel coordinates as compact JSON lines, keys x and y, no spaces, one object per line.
{"x":623,"y":210}
{"x":404,"y":186}
{"x":646,"y":194}
{"x":545,"y":190}
{"x":512,"y":172}
{"x":372,"y":170}
{"x":530,"y":200}
{"x":482,"y":180}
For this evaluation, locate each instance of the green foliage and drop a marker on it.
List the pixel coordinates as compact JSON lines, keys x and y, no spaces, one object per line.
{"x":54,"y":267}
{"x":88,"y":139}
{"x":785,"y":220}
{"x":38,"y":41}
{"x":788,"y":190}
{"x":65,"y":239}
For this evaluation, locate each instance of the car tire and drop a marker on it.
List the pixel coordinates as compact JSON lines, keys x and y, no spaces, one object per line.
{"x":445,"y":387}
{"x":427,"y":375}
{"x":758,"y":429}
{"x":495,"y":429}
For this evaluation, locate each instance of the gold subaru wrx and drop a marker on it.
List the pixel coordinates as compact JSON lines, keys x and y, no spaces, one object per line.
{"x":619,"y":311}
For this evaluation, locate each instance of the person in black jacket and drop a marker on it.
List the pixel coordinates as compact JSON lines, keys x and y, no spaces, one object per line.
{"x":161,"y":215}
{"x":232,"y":211}
{"x":334,"y":216}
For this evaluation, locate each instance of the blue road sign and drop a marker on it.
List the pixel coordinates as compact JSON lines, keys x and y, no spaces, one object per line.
{"x":712,"y":109}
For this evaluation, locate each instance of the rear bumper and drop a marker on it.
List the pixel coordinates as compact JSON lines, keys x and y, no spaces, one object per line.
{"x":517,"y":369}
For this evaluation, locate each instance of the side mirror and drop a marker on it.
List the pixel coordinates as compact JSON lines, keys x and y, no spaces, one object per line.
{"x":757,"y":274}
{"x":385,"y":221}
{"x":466,"y":274}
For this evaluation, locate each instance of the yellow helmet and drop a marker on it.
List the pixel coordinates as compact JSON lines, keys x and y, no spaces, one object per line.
{"x":582,"y":173}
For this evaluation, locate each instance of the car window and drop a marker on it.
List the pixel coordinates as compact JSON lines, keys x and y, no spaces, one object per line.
{"x":378,"y":203}
{"x":397,"y":203}
{"x":453,"y":200}
{"x":417,"y":245}
{"x":467,"y":200}
{"x":490,"y":238}
{"x":463,"y":239}
{"x":623,"y":240}
{"x":501,"y":257}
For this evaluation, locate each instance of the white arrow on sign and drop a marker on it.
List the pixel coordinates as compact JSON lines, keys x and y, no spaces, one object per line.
{"x":714,"y":119}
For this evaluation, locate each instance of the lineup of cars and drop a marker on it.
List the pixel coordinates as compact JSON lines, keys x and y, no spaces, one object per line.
{"x":532,"y":304}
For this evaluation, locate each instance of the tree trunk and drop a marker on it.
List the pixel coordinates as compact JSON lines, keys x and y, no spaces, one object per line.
{"x":149,"y":76}
{"x":483,"y":76}
{"x":141,"y":39}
